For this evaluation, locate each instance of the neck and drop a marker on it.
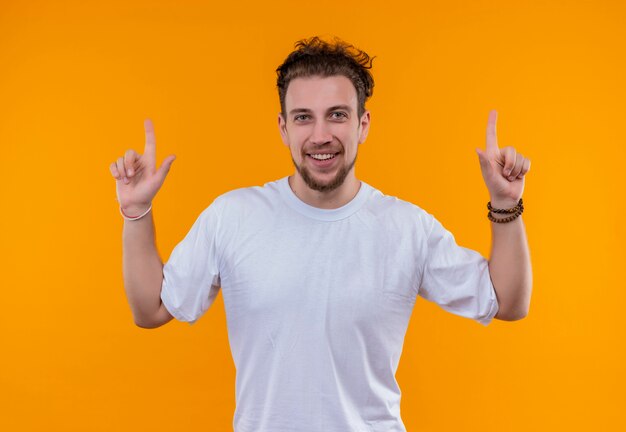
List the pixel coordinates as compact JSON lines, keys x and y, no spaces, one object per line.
{"x":325,"y":200}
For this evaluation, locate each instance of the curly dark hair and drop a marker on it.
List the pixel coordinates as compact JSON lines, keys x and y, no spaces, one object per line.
{"x":315,"y":56}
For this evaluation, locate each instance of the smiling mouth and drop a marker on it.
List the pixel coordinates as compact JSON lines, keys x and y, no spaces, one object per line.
{"x":322,"y":156}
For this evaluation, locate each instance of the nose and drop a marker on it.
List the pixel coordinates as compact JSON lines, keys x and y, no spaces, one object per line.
{"x":321,"y":134}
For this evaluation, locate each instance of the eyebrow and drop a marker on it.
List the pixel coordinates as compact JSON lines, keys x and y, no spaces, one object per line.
{"x":332,"y":108}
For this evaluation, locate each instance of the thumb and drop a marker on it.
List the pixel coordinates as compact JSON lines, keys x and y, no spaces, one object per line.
{"x":165,"y":166}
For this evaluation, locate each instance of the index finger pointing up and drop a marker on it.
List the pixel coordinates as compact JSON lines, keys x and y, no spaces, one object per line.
{"x":150,"y":147}
{"x":492,"y":138}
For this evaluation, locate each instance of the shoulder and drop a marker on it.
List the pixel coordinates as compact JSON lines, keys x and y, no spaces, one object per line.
{"x":245,"y":200}
{"x":390,"y":208}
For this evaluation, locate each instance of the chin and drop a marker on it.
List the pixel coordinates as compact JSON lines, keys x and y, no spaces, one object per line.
{"x":324,"y":183}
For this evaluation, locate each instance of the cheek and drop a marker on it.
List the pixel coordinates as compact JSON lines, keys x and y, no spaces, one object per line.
{"x":295,"y":147}
{"x":297,"y":140}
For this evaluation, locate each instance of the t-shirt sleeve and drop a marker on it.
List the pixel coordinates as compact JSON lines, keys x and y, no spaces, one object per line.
{"x":191,"y":279}
{"x":457,"y":278}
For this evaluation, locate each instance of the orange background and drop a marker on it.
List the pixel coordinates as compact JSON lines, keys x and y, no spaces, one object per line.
{"x":78,"y":78}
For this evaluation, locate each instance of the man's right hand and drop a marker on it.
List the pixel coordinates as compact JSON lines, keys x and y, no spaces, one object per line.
{"x":137,"y":178}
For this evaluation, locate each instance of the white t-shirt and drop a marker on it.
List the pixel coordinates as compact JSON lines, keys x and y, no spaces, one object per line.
{"x":318,"y":301}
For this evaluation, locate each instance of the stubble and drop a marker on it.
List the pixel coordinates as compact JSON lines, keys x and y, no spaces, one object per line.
{"x":337,"y":181}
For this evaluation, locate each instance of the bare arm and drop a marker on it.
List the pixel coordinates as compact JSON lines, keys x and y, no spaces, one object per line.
{"x":510,"y":267}
{"x":143,"y":272}
{"x":138,"y":181}
{"x":504,"y":172}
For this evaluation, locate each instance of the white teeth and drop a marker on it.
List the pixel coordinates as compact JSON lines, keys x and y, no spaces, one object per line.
{"x":322,"y":156}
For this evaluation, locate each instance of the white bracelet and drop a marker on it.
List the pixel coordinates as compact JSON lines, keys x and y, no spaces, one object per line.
{"x":135,"y":217}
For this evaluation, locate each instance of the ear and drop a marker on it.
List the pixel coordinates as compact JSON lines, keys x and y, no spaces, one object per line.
{"x":282,"y":128}
{"x":364,"y":125}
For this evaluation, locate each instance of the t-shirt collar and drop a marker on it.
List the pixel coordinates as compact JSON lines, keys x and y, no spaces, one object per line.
{"x":342,"y":212}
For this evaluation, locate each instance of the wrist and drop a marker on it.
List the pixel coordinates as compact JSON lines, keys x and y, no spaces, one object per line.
{"x":135,"y":210}
{"x":504,"y":211}
{"x":503,"y":203}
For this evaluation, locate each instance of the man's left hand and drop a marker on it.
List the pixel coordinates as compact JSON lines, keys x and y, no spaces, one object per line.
{"x":503,"y":168}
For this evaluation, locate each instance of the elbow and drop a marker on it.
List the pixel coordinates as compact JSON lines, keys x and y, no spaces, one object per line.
{"x":146,"y":323}
{"x":515,"y":309}
{"x":513,"y":314}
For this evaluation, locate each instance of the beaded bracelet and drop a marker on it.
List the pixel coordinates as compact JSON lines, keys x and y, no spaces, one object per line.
{"x":514,"y":212}
{"x":133,"y":218}
{"x":520,"y":203}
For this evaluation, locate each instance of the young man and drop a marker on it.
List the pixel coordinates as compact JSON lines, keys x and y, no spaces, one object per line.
{"x":320,"y":271}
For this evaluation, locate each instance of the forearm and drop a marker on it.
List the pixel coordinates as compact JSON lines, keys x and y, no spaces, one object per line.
{"x":142,"y":268}
{"x":510,"y":268}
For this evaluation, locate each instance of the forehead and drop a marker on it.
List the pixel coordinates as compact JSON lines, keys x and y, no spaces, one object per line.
{"x":318,"y":93}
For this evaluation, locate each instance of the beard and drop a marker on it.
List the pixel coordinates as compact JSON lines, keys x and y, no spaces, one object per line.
{"x":333,"y":184}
